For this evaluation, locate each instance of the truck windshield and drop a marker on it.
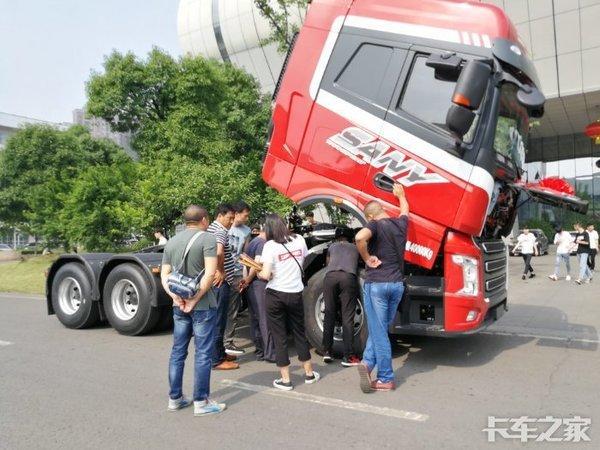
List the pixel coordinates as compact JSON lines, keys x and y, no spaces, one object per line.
{"x":512,"y":129}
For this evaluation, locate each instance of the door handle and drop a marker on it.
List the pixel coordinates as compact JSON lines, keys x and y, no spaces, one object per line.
{"x":384,"y":182}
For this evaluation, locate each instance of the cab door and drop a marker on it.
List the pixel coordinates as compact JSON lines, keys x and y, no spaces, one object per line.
{"x":349,"y":108}
{"x":422,"y":153}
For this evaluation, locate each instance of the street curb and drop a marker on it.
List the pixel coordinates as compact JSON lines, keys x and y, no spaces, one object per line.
{"x":12,"y":295}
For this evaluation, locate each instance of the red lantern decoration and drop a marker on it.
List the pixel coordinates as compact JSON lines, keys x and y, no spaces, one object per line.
{"x":557,"y":184}
{"x":593,"y":131}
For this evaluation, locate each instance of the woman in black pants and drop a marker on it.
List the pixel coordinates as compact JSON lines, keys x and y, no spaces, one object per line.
{"x":263,"y":338}
{"x":282,"y":259}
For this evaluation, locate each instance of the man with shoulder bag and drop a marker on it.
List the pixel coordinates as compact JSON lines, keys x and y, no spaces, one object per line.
{"x":188,"y":270}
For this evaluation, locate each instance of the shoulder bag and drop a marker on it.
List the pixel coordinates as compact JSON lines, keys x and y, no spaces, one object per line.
{"x":304,"y":281}
{"x":180,"y":284}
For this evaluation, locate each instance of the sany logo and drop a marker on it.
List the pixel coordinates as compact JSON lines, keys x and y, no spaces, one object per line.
{"x":363,"y":148}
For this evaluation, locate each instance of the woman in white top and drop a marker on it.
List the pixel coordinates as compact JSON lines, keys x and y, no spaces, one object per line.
{"x":528,"y":245}
{"x":282,"y":259}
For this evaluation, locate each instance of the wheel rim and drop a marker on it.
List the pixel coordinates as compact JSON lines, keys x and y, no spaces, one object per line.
{"x":124,"y":300}
{"x":70,"y":296}
{"x":337,"y":330}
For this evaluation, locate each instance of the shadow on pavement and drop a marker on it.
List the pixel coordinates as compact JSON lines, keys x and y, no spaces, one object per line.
{"x":551,"y":325}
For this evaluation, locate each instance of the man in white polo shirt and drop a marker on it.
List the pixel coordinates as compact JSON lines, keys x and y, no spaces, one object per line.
{"x":564,"y":244}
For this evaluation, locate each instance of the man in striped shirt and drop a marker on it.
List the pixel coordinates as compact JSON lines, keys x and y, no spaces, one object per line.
{"x":223,"y":283}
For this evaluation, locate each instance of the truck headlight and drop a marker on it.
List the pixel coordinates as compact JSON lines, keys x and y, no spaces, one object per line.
{"x":470,"y":272}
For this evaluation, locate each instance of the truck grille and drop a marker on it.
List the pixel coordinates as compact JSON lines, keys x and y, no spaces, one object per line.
{"x":494,"y":270}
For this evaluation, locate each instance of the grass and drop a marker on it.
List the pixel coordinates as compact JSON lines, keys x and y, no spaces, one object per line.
{"x":27,"y":276}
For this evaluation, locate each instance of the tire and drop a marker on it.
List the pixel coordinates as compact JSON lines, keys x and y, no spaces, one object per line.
{"x":72,"y":297}
{"x":313,"y":302}
{"x":127,"y":301}
{"x":165,"y":319}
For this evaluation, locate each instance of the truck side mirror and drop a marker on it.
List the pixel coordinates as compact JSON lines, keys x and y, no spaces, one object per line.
{"x":468,"y":94}
{"x":459,"y":120}
{"x":532,"y":99}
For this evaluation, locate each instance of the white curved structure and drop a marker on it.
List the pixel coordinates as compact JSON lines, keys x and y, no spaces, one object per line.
{"x":231,"y":30}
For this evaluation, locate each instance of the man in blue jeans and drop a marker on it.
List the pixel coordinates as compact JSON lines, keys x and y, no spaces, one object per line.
{"x":381,"y":244}
{"x":223,"y":283}
{"x":196,"y":316}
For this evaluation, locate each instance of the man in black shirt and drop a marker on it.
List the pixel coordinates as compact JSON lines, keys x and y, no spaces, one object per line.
{"x":381,"y":244}
{"x":340,"y":287}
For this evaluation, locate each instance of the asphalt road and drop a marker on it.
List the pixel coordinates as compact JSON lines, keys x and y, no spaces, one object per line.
{"x":94,"y":388}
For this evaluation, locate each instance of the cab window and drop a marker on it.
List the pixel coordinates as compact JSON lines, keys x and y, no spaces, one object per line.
{"x":426,"y":97}
{"x":364,"y":73}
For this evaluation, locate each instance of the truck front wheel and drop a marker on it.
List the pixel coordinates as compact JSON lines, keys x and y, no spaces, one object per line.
{"x":127,"y":301}
{"x":314,"y":311}
{"x":72,"y":297}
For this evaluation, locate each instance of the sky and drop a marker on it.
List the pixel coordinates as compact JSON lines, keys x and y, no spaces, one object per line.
{"x":48,"y":48}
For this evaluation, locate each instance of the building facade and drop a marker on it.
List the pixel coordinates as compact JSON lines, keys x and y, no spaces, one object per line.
{"x":563,"y":39}
{"x":100,"y":129}
{"x":10,"y":124}
{"x":232,"y":31}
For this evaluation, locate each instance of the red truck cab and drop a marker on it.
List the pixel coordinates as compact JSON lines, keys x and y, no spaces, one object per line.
{"x":380,"y":91}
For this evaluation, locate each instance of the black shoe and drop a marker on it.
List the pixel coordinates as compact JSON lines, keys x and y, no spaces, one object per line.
{"x":310,"y":379}
{"x":531,"y":275}
{"x":234,"y":350}
{"x":280,"y":384}
{"x":523,"y":277}
{"x":327,"y":358}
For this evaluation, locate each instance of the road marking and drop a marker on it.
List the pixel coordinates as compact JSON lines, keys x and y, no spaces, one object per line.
{"x":354,"y":406}
{"x":539,"y":336}
{"x":5,"y":343}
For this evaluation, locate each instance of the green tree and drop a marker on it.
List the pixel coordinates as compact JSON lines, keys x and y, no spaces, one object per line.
{"x":199,"y":127}
{"x":37,"y":168}
{"x":98,"y":212}
{"x":181,"y":107}
{"x":280,"y":15}
{"x":176,"y":183}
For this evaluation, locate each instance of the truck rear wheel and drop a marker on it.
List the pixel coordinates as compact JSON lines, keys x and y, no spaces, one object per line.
{"x":127,"y":301}
{"x":165,"y":320}
{"x":314,"y":310}
{"x":72,"y":297}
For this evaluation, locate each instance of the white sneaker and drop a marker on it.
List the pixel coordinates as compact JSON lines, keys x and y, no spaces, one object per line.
{"x":310,"y":380}
{"x":179,"y":403}
{"x":568,"y":278}
{"x":208,"y":407}
{"x":553,"y":277}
